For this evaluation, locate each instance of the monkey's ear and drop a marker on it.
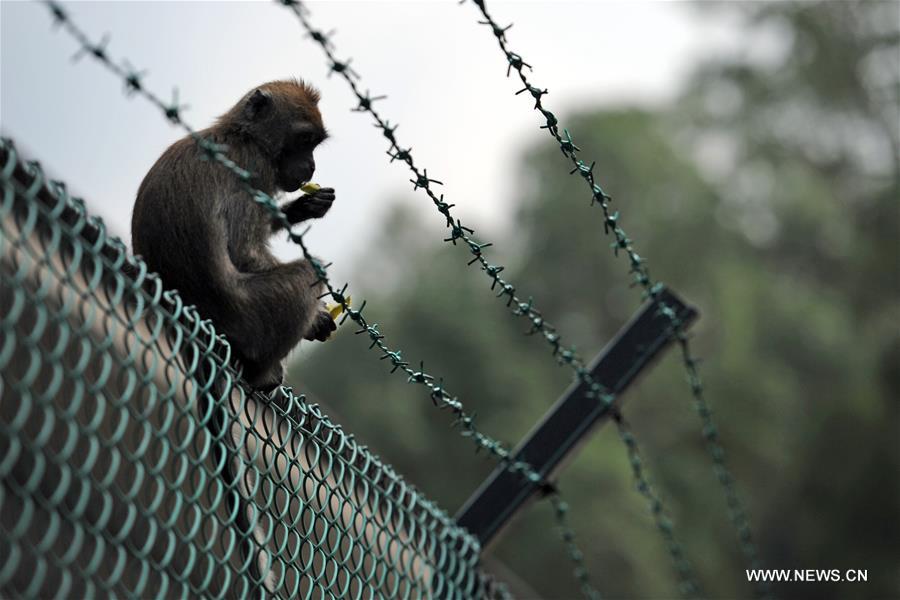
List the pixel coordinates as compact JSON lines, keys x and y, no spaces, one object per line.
{"x":257,"y":104}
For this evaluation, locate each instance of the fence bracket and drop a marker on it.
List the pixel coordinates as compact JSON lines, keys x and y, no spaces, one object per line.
{"x":574,"y":416}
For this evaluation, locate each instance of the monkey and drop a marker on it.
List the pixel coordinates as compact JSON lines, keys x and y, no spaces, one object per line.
{"x":196,"y":226}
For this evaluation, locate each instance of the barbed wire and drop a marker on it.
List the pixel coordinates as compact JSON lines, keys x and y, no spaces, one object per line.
{"x":567,"y":535}
{"x":687,"y":585}
{"x":462,"y":233}
{"x":641,"y":276}
{"x":440,"y":396}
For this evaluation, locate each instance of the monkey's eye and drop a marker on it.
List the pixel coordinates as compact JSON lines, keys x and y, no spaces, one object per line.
{"x":306,"y":138}
{"x":303,"y":139}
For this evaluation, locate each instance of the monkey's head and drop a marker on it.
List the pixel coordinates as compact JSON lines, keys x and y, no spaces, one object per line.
{"x":283,"y":119}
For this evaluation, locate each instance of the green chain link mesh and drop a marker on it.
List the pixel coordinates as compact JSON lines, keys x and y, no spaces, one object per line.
{"x":135,"y":463}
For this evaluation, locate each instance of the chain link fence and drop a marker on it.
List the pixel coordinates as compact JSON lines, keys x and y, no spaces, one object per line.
{"x":135,"y":463}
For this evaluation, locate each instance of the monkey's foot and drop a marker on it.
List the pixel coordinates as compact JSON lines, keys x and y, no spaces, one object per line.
{"x":267,"y":380}
{"x":270,"y":386}
{"x":322,"y":327}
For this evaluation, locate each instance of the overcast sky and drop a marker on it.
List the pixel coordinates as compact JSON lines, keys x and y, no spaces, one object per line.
{"x":442,"y":72}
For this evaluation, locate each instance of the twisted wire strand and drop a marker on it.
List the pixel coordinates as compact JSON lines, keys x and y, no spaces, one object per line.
{"x":737,"y":512}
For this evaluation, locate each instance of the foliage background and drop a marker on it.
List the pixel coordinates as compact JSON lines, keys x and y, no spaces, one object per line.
{"x":767,"y":196}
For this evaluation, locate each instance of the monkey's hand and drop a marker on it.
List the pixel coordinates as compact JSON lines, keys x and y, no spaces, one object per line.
{"x":310,"y":206}
{"x":322,"y":327}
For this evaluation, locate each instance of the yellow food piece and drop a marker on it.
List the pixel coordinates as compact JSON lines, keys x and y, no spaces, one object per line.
{"x":310,"y":187}
{"x":335,"y":310}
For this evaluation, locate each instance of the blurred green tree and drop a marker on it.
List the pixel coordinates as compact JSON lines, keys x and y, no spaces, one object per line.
{"x":766,"y":195}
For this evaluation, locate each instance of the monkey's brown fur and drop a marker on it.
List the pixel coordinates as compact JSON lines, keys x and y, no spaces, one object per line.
{"x":207,"y":238}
